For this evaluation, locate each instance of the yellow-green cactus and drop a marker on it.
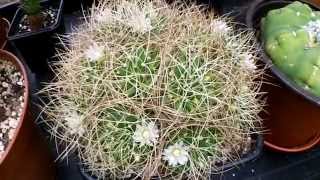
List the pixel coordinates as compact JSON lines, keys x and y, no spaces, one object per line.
{"x":292,"y":39}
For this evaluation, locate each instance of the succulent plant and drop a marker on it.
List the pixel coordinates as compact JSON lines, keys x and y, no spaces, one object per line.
{"x":31,"y":7}
{"x":35,"y":18}
{"x":150,"y":89}
{"x":292,"y":39}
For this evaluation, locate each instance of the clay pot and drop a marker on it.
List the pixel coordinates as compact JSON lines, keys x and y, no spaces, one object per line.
{"x":316,"y":2}
{"x":27,"y":156}
{"x":292,"y":115}
{"x":4,"y":29}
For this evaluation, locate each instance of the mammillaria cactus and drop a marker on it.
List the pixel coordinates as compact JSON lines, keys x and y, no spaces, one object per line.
{"x":292,"y":40}
{"x":147,"y":89}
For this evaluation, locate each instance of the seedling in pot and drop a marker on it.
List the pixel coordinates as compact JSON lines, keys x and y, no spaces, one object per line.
{"x":36,"y":16}
{"x":33,"y":11}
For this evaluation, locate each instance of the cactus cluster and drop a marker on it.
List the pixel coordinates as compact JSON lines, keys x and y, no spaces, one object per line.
{"x":150,"y":89}
{"x":292,"y":39}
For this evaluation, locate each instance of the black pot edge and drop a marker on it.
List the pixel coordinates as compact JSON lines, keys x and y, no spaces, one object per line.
{"x":253,"y":8}
{"x":9,"y":4}
{"x":11,"y":34}
{"x":251,"y":156}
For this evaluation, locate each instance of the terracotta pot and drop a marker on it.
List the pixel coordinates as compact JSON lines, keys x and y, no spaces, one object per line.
{"x":292,"y":114}
{"x":4,"y":29}
{"x":316,"y":2}
{"x":27,"y":156}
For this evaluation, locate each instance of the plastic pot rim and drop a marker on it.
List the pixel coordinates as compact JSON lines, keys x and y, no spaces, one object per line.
{"x":9,"y":4}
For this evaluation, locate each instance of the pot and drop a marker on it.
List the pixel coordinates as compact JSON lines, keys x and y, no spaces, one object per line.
{"x":8,"y":10}
{"x":27,"y":156}
{"x":215,"y":175}
{"x":4,"y":29}
{"x":38,"y":47}
{"x":315,"y":2}
{"x":292,"y":117}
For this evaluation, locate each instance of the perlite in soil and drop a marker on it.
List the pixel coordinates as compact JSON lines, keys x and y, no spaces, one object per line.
{"x":11,"y":102}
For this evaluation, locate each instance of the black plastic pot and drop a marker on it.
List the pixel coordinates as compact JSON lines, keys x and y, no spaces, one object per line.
{"x":216,"y":175}
{"x":9,"y":9}
{"x":77,"y":5}
{"x":293,"y":113}
{"x":38,"y":48}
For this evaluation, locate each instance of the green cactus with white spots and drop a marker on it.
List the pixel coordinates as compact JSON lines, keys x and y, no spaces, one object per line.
{"x":292,"y":39}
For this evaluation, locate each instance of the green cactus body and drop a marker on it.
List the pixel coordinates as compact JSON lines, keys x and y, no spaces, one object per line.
{"x":292,"y":40}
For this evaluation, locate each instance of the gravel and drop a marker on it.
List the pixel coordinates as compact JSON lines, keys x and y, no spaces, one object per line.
{"x":11,"y":102}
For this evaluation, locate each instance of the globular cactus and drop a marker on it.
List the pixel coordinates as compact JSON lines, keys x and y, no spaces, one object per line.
{"x":292,"y":39}
{"x":147,"y":89}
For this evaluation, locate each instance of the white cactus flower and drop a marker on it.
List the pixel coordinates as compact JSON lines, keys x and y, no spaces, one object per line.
{"x":94,"y":52}
{"x":146,"y":134}
{"x":220,"y":26}
{"x":137,"y":19}
{"x":176,"y":154}
{"x":105,"y":16}
{"x":74,"y":122}
{"x":247,"y":62}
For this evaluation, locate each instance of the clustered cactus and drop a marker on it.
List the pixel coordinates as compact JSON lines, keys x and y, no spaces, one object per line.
{"x":149,"y":89}
{"x":292,"y":39}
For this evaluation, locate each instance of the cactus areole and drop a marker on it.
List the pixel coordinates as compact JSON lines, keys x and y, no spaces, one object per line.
{"x":292,"y":39}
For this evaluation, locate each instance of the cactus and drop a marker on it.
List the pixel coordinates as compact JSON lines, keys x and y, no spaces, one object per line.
{"x":292,"y":39}
{"x":147,"y":89}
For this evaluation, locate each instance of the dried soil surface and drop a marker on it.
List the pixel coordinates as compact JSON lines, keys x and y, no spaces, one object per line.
{"x":11,"y":102}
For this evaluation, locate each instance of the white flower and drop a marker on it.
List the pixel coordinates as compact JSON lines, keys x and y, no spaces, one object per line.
{"x":146,"y":134}
{"x":74,"y":122}
{"x":220,"y":26}
{"x":94,"y":52}
{"x":105,"y":16}
{"x":137,"y":18}
{"x":248,"y":63}
{"x":176,"y":154}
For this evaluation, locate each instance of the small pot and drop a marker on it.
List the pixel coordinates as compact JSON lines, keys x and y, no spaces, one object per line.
{"x":216,"y":175}
{"x":27,"y":155}
{"x":293,"y":113}
{"x":38,"y":47}
{"x":4,"y":29}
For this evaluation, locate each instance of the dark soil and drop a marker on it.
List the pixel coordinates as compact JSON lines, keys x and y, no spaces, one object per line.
{"x":11,"y":102}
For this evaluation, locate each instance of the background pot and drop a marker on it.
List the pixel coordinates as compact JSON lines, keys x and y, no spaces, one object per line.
{"x":292,"y":113}
{"x":9,"y":9}
{"x":4,"y":29}
{"x":315,"y":2}
{"x":27,"y":156}
{"x":38,"y":48}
